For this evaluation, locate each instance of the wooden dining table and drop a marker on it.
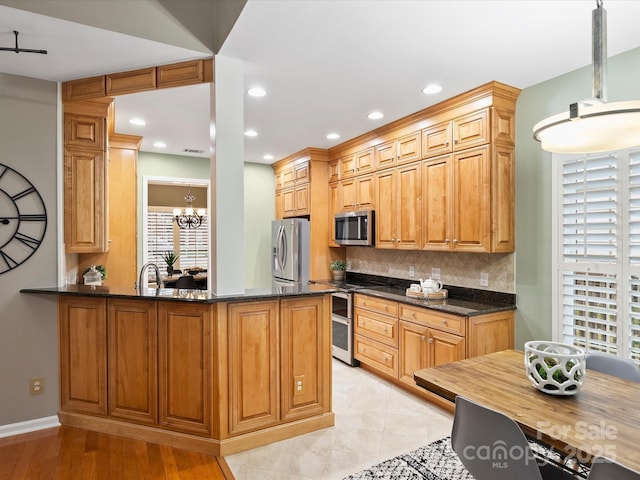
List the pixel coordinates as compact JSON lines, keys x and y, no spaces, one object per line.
{"x":602,"y":418}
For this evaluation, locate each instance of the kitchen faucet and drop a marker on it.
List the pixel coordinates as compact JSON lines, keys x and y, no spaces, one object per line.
{"x":157,"y":270}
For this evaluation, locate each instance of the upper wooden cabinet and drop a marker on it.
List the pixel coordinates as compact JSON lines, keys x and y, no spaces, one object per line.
{"x":457,"y":134}
{"x":303,"y":179}
{"x":172,"y":75}
{"x":405,"y":149}
{"x":358,"y":193}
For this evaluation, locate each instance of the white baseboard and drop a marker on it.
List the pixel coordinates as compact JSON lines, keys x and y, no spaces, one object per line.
{"x":29,"y":426}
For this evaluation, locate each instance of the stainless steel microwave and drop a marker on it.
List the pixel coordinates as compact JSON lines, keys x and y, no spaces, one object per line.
{"x":355,"y":228}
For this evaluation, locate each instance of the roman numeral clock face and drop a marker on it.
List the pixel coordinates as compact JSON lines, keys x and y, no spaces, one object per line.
{"x":23,"y":219}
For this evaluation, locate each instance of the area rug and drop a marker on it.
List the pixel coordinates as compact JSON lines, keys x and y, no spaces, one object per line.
{"x":435,"y":461}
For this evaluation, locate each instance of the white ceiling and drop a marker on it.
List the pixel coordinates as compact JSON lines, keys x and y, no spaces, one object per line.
{"x":326,"y":64}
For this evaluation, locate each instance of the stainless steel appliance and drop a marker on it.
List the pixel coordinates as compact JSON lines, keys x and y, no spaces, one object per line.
{"x":290,"y":251}
{"x":342,"y":326}
{"x":355,"y":228}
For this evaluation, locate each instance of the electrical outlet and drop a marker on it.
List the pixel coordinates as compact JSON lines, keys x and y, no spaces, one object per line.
{"x":484,"y":279}
{"x":348,"y":264}
{"x":36,"y":386}
{"x":412,"y":272}
{"x":298,"y":385}
{"x":435,"y":273}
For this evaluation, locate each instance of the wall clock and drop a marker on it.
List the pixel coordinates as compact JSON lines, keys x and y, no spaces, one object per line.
{"x":23,"y":219}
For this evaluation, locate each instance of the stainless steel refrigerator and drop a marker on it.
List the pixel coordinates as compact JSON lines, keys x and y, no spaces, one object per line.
{"x":290,"y":251}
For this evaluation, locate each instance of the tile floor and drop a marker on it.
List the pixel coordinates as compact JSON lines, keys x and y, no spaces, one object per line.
{"x":374,"y":421}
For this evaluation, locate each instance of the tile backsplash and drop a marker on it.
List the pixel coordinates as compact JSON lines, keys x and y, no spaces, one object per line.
{"x":459,"y":269}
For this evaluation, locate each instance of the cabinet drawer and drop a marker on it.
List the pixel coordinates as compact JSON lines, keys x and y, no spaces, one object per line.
{"x":375,"y":304}
{"x":429,"y":318}
{"x":376,"y":355}
{"x":379,"y":327}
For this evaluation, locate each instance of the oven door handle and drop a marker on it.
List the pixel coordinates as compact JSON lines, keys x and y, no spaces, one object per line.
{"x":340,"y":319}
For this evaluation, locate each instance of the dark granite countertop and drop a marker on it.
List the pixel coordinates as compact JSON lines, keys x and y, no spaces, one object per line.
{"x":452,"y":305}
{"x":184,"y":295}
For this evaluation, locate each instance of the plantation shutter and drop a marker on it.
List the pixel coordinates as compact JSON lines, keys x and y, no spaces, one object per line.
{"x":193,"y":246}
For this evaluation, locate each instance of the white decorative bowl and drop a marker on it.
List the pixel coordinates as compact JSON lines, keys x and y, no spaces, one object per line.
{"x":554,"y":368}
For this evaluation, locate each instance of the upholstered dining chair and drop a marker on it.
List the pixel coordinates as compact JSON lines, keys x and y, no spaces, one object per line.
{"x":186,"y":281}
{"x":612,"y":365}
{"x":492,"y":446}
{"x":605,"y":469}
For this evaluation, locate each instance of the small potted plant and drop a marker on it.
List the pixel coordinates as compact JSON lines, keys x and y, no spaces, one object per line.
{"x":94,"y":281}
{"x":338,"y":269}
{"x":170,"y":257}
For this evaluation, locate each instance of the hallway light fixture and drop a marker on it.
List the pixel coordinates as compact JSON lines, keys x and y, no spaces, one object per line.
{"x":189,"y":218}
{"x":593,"y":125}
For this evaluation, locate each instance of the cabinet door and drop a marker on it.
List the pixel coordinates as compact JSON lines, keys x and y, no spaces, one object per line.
{"x":471,"y":200}
{"x":502,"y":199}
{"x":386,"y":211}
{"x":365,"y":192}
{"x":349,"y":195}
{"x":409,"y":148}
{"x":348,"y":166}
{"x":436,"y":203}
{"x":279,"y":205}
{"x":413,"y":351}
{"x":133,"y":359}
{"x":83,"y":354}
{"x":288,"y":202}
{"x":302,"y":199}
{"x":305,"y":344}
{"x":471,"y":130}
{"x":253,"y":337}
{"x":377,"y":355}
{"x":408,"y":215}
{"x":85,"y":131}
{"x":444,"y":348}
{"x":365,"y":161}
{"x":185,"y":354}
{"x":302,"y":173}
{"x":288,"y":177}
{"x":436,"y":140}
{"x":490,"y":333}
{"x":85,"y":201}
{"x":385,"y":155}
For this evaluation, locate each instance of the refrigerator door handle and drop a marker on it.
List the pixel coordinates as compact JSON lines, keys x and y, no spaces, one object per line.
{"x":282,"y":247}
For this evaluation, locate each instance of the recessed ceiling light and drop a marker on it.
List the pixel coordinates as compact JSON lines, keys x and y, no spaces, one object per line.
{"x":431,"y":89}
{"x":251,"y":133}
{"x":137,"y":121}
{"x":375,"y":115}
{"x":257,"y":92}
{"x":268,"y":156}
{"x":160,"y":145}
{"x":333,"y":136}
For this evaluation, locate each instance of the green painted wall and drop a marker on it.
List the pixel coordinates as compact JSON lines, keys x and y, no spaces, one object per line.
{"x":534,"y":183}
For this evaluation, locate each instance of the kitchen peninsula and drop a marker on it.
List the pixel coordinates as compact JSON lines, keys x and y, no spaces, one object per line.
{"x":216,"y":375}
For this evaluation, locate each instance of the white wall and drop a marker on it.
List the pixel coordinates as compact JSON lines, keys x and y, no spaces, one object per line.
{"x":28,"y":323}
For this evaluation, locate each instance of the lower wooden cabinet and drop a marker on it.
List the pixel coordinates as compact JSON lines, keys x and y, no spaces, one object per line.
{"x":205,"y":374}
{"x":396,"y":339}
{"x":185,"y":365}
{"x":83,"y":354}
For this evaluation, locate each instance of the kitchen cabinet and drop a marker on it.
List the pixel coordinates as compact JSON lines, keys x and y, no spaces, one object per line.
{"x":335,"y":206}
{"x":185,"y":368}
{"x":358,"y":193}
{"x":405,"y":149}
{"x":466,"y":131}
{"x":309,"y":196}
{"x":83,"y":354}
{"x":459,"y":211}
{"x":358,"y":163}
{"x":375,"y":329}
{"x":86,"y":176}
{"x":253,"y":366}
{"x":398,"y":215}
{"x":132,"y":359}
{"x":395,"y":339}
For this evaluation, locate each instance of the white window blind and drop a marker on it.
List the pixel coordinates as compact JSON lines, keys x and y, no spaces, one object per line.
{"x":164,"y":235}
{"x":599,"y":252}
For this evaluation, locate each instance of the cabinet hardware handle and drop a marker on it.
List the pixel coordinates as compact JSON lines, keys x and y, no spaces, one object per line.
{"x":423,"y":337}
{"x":413,"y":314}
{"x":431,"y":340}
{"x":386,"y":307}
{"x":446,"y":240}
{"x":455,"y":141}
{"x":455,"y":240}
{"x":444,"y":321}
{"x":385,"y":330}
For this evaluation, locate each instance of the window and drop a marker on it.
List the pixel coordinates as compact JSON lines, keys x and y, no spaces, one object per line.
{"x":597,"y":211}
{"x":163,"y":234}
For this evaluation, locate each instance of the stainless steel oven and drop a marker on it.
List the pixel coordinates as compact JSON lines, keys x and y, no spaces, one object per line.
{"x":342,"y":326}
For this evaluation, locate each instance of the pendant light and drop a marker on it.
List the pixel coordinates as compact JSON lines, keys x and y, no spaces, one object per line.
{"x":593,"y":125}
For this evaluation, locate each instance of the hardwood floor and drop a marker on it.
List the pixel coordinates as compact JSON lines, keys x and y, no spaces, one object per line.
{"x":71,"y":453}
